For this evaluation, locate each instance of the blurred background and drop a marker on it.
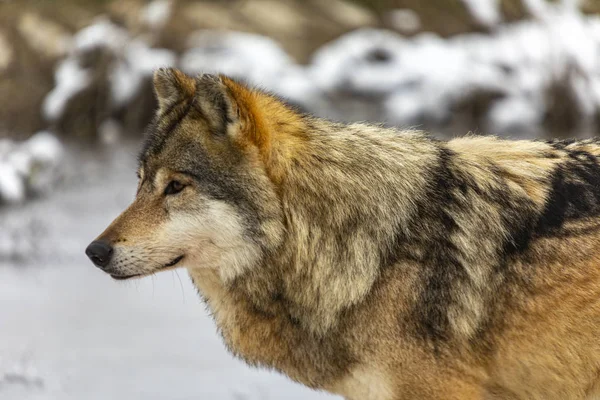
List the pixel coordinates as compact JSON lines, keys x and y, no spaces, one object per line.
{"x":75,"y":96}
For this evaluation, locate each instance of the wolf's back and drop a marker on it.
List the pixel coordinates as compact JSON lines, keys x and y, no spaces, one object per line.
{"x":490,"y":202}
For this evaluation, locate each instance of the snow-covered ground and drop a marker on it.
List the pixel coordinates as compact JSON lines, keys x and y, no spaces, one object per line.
{"x":69,"y":332}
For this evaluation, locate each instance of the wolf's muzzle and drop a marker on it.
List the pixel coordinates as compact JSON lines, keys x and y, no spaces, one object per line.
{"x":100,"y":253}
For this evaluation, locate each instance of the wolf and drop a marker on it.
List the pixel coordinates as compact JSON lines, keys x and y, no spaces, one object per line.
{"x":369,"y":262}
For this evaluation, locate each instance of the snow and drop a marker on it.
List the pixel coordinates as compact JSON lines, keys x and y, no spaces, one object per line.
{"x":366,"y":60}
{"x":146,"y":60}
{"x":423,"y":78}
{"x":514,"y":114}
{"x":30,"y":167}
{"x":256,"y":58}
{"x":485,"y":12}
{"x":101,"y":34}
{"x":131,"y":59}
{"x":69,"y":332}
{"x":70,"y":79}
{"x":297,"y":86}
{"x":44,"y":147}
{"x":125,"y":81}
{"x":46,"y":154}
{"x":138,"y":61}
{"x":156,"y":13}
{"x":12,"y":187}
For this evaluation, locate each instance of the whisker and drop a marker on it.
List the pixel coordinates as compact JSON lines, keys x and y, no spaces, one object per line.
{"x":180,"y":285}
{"x":152,"y":275}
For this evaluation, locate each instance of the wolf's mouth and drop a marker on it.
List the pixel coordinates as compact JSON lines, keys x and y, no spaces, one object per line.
{"x":168,"y":265}
{"x":173,"y":263}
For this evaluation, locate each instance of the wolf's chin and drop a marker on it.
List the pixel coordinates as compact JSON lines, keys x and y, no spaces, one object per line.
{"x":164,"y":267}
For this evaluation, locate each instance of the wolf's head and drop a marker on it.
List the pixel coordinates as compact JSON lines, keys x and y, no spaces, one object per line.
{"x":206,"y":196}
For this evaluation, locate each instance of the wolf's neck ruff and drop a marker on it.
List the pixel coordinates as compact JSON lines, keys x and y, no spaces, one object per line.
{"x":342,"y":217}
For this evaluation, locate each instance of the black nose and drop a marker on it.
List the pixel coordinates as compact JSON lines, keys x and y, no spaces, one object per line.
{"x":100,"y":253}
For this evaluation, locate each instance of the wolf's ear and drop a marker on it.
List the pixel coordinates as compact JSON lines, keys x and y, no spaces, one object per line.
{"x":217,"y":104}
{"x":171,"y":87}
{"x":232,"y":109}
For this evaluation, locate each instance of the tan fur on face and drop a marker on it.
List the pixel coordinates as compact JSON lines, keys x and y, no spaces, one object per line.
{"x":208,"y":237}
{"x":212,"y":239}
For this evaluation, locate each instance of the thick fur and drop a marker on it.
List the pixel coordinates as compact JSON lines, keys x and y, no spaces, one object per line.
{"x":370,"y":262}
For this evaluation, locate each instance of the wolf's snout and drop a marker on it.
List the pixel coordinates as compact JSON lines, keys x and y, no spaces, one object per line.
{"x":100,"y":253}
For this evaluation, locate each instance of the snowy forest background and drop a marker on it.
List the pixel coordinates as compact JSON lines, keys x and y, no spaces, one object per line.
{"x":75,"y":95}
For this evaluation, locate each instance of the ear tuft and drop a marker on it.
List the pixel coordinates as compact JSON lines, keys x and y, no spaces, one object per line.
{"x":172,"y":86}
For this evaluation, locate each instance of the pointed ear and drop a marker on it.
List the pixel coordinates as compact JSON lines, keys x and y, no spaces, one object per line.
{"x":172,"y":86}
{"x":232,"y":109}
{"x":216,"y":103}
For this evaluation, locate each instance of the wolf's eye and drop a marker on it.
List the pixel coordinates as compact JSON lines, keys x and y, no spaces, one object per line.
{"x":174,"y":187}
